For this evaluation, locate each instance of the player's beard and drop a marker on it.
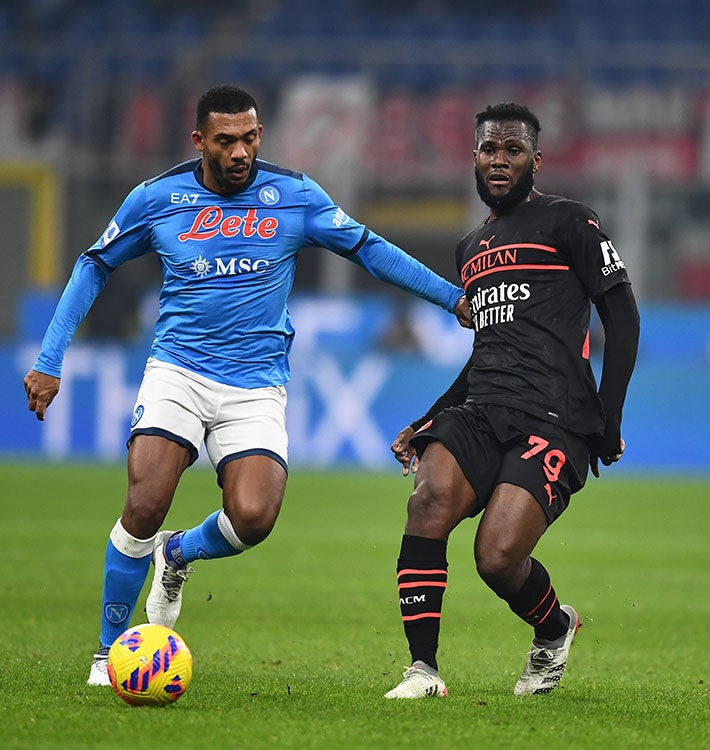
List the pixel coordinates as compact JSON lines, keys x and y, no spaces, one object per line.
{"x":517,"y":193}
{"x":220,"y":175}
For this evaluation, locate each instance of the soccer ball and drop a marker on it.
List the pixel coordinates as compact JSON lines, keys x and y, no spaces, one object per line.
{"x":149,"y":665}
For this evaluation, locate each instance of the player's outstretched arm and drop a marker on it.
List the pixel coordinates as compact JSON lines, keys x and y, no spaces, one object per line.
{"x":41,"y":390}
{"x":327,"y":226}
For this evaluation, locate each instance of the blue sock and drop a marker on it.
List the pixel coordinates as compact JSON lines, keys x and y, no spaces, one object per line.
{"x":123,"y":580}
{"x":204,"y":542}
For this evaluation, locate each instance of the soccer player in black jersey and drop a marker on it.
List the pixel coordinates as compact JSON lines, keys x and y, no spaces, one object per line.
{"x":513,"y":436}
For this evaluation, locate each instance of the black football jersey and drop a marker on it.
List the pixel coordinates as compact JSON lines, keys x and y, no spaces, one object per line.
{"x":530,"y":276}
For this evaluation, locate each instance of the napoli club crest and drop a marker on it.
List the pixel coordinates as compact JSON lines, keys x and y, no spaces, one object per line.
{"x":269,"y":195}
{"x":137,"y":414}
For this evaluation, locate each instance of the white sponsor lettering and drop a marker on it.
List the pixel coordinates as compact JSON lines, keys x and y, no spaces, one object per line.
{"x":235,"y":266}
{"x":491,"y":315}
{"x":415,"y":599}
{"x":495,"y":295}
{"x":612,"y":261}
{"x":492,"y":305}
{"x":190,"y":198}
{"x":340,"y":218}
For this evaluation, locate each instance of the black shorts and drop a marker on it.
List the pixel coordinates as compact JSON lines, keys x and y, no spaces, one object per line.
{"x":494,"y":444}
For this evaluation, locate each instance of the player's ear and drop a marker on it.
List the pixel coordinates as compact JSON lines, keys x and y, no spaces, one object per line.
{"x":198,"y":139}
{"x":537,"y":160}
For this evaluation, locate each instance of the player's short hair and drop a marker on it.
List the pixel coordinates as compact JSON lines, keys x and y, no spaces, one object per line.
{"x":506,"y":111}
{"x":225,"y":99}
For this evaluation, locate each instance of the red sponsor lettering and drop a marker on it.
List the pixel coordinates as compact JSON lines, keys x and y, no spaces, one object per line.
{"x":505,"y":258}
{"x":230,"y":226}
{"x":210,"y":221}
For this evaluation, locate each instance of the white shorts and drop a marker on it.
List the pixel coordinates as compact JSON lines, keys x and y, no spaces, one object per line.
{"x":190,"y":409}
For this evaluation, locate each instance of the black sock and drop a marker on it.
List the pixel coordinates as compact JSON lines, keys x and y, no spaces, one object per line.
{"x":536,"y":603}
{"x":421,"y":580}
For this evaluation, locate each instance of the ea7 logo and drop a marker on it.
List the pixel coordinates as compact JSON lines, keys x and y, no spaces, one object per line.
{"x":190,"y":198}
{"x":415,"y":599}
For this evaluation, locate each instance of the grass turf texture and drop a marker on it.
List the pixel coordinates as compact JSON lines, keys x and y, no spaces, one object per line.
{"x":296,"y":642}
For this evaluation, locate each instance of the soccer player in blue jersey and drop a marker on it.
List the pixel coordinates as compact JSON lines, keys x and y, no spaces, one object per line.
{"x":227,"y":228}
{"x":512,"y":437}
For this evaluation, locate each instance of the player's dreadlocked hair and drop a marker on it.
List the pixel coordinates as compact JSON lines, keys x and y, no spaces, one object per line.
{"x":510,"y":111}
{"x":226,"y":99}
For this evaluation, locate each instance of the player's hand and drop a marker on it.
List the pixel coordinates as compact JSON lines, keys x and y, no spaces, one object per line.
{"x":607,"y":459}
{"x":404,"y":452}
{"x":41,"y":390}
{"x":462,"y":311}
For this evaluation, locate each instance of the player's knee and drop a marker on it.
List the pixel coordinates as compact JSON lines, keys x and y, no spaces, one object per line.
{"x":146,"y":506}
{"x":423,"y":501}
{"x":252,"y":522}
{"x":498,"y":567}
{"x":430,"y":510}
{"x":142,"y":520}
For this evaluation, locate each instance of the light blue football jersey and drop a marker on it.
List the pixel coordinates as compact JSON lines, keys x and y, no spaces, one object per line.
{"x":228,"y":265}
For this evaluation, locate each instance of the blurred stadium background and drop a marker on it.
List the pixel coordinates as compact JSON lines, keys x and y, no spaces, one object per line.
{"x":376,"y":101}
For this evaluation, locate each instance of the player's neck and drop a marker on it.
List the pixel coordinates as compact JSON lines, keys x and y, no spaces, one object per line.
{"x":496,"y":214}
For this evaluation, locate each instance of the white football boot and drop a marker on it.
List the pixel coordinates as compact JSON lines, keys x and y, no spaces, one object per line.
{"x":545,"y":666}
{"x":165,"y":598}
{"x":420,"y":681}
{"x":98,"y":676}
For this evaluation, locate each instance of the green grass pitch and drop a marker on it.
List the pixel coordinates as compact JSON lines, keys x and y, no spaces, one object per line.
{"x":295,"y":642}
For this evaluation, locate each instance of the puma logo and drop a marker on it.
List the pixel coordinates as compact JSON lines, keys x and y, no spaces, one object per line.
{"x":550,"y":495}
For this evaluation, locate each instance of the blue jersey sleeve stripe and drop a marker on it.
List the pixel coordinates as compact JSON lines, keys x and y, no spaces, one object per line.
{"x":363,"y":239}
{"x":94,"y":256}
